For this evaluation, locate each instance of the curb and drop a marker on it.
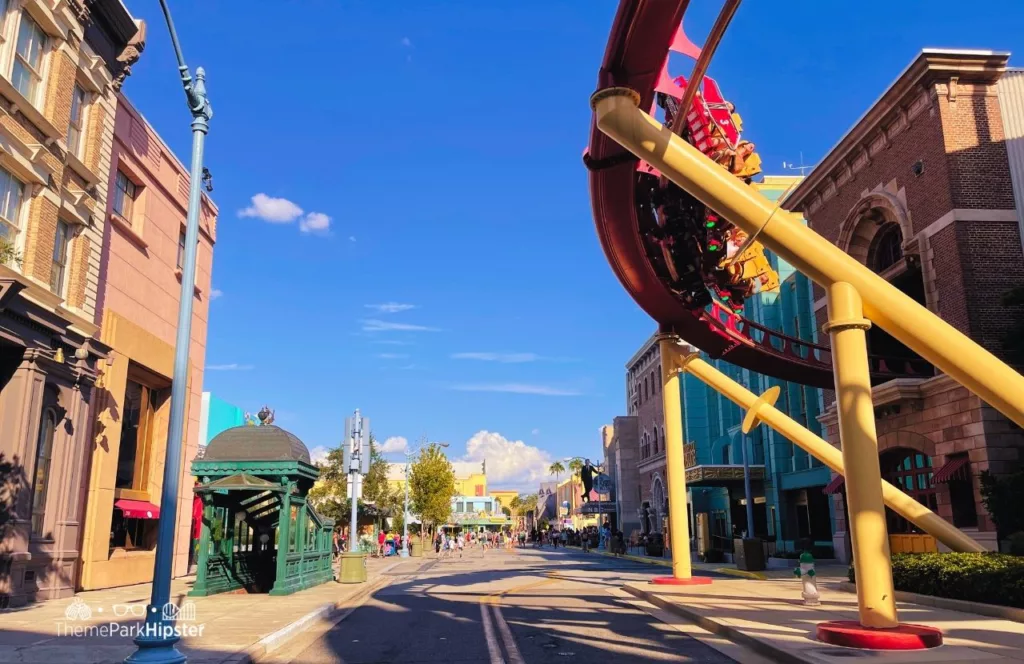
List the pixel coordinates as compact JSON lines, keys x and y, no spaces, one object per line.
{"x":333,"y":612}
{"x":757,"y":576}
{"x":721,"y":629}
{"x":989,"y":610}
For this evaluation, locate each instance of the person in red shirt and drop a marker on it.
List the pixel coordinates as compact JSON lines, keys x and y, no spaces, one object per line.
{"x":381,"y":537}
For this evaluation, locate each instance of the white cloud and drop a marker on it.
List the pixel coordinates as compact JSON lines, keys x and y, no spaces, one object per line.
{"x":319,"y":454}
{"x":215,"y":293}
{"x":351,"y":238}
{"x":394,"y":445}
{"x":391,"y":342}
{"x":315,"y":222}
{"x":406,"y":42}
{"x":390,"y":307}
{"x":385,"y":326}
{"x":508,"y":358}
{"x":510,"y":463}
{"x":536,"y":432}
{"x":392,"y":356}
{"x":274,"y":210}
{"x":519,"y":388}
{"x":234,"y":366}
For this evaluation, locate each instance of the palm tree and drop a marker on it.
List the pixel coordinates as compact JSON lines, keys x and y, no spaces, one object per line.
{"x":575,"y":466}
{"x":556,"y":469}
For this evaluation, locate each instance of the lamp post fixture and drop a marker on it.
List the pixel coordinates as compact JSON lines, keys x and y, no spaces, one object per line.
{"x":158,"y":638}
{"x":405,"y":517}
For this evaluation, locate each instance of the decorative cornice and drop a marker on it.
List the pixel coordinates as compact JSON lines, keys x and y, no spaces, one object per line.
{"x":895,"y":109}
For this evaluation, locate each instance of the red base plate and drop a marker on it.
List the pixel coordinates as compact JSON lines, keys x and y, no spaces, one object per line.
{"x":852,"y":634}
{"x":673,"y":581}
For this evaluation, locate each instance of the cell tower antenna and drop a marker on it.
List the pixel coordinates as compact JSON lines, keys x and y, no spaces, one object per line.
{"x":789,"y":166}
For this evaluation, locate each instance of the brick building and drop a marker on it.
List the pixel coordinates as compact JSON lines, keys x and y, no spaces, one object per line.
{"x":921,"y":190}
{"x":61,"y":64}
{"x":643,"y":402}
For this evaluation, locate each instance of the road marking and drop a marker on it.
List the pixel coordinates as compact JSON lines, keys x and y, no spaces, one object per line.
{"x":493,"y":649}
{"x":514,"y":656}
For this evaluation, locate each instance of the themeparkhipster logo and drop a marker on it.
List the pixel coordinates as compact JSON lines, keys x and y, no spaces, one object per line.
{"x":84,"y":620}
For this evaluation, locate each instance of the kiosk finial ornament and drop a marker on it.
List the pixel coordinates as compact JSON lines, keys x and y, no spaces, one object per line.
{"x":266,"y":416}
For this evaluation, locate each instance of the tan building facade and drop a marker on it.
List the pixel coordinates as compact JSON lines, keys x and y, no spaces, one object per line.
{"x":921,"y":190}
{"x":644,"y":402}
{"x":139,"y":294}
{"x":60,"y":67}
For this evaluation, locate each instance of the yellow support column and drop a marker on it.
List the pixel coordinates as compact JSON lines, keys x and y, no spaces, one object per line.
{"x":847,"y":328}
{"x":675,"y":469}
{"x":762,"y":409}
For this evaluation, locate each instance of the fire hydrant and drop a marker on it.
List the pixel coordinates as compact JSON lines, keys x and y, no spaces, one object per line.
{"x":806,"y":573}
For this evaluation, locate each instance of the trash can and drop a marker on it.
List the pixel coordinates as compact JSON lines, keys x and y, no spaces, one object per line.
{"x":353,"y":568}
{"x":748,"y":554}
{"x":415,"y":548}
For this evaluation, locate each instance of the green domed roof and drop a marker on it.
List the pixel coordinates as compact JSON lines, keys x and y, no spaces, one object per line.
{"x":256,"y":443}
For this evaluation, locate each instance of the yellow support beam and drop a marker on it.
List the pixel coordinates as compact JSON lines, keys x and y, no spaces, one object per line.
{"x":762,"y":410}
{"x":675,"y":469}
{"x":876,"y":597}
{"x":929,"y":336}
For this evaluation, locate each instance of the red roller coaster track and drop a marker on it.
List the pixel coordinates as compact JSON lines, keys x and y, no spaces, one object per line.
{"x":637,"y":47}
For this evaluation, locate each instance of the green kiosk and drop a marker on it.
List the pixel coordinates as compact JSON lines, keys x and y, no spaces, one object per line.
{"x":259,"y":533}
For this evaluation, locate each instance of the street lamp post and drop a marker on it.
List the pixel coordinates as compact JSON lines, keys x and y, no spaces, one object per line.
{"x":405,"y":517}
{"x":158,"y":638}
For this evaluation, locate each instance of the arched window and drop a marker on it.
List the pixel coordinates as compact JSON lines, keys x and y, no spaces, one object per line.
{"x":41,"y":481}
{"x":655,"y":437}
{"x":654,"y":383}
{"x":725,"y":455}
{"x":911,"y":472}
{"x":886,"y":247}
{"x":645,"y":388}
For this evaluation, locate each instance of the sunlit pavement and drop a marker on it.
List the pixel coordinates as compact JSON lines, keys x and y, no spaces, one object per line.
{"x":524,"y":606}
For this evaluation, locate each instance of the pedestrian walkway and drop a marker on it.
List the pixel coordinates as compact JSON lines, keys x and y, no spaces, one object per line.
{"x":771,"y":618}
{"x":96,"y":626}
{"x":830,"y":572}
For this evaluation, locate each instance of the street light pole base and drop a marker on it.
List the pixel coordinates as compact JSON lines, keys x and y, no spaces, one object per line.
{"x":157,"y":649}
{"x":403,"y":553}
{"x":851,"y":634}
{"x":675,"y":581}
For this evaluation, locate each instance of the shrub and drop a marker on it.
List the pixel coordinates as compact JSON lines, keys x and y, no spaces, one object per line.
{"x":990,"y":578}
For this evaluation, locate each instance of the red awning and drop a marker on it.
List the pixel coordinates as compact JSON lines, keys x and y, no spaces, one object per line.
{"x":138,"y":509}
{"x":951,"y":470}
{"x":834,"y":486}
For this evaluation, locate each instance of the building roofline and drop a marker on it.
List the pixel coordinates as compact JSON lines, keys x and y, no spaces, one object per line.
{"x":123,"y":99}
{"x":973,"y":64}
{"x":643,"y":349}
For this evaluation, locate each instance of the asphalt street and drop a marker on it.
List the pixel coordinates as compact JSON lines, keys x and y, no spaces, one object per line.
{"x":524,"y":606}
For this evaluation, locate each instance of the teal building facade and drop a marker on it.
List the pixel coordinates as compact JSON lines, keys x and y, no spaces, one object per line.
{"x":216,"y":416}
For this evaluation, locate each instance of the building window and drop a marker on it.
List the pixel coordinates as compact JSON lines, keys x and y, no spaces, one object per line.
{"x":44,"y":454}
{"x":725,"y":455}
{"x":886,"y":247}
{"x":124,"y":195}
{"x":11,"y":193}
{"x":60,"y":258}
{"x":645,"y":388}
{"x":655,"y":452}
{"x":27,"y":72}
{"x":75,"y":124}
{"x":181,"y":250}
{"x":911,"y":472}
{"x":138,"y":410}
{"x":132,"y":534}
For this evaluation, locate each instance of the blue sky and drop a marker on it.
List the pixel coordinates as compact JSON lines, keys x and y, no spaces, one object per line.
{"x":423,"y":247}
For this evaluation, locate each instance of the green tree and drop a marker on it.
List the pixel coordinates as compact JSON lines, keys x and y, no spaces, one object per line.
{"x":556,"y":469}
{"x":1003,"y":497}
{"x":329,"y":495}
{"x":432,"y":485}
{"x":375,"y":483}
{"x":575,"y":467}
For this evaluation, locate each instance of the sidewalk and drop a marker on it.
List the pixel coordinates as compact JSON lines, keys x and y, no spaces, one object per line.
{"x":770,"y":618}
{"x":826,"y":572}
{"x":233,"y":628}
